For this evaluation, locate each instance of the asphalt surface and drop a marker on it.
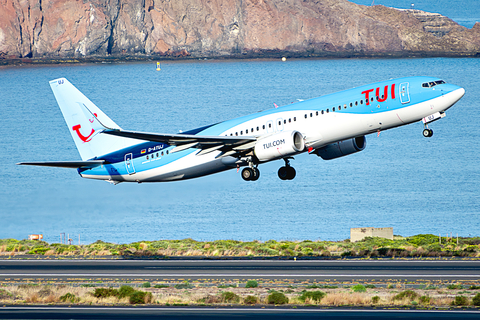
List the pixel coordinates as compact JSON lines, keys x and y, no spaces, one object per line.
{"x":223,"y":313}
{"x":339,"y":270}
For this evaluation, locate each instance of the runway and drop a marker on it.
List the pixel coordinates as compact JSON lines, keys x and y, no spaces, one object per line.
{"x":222,"y":313}
{"x":300,"y":270}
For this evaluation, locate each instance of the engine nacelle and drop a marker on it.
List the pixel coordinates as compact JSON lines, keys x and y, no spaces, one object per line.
{"x":279,"y":145}
{"x":342,"y":148}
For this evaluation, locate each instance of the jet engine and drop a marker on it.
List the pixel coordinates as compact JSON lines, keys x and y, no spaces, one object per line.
{"x":279,"y":145}
{"x":341,"y":148}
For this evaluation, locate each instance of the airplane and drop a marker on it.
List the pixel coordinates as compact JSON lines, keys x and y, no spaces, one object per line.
{"x":330,"y":126}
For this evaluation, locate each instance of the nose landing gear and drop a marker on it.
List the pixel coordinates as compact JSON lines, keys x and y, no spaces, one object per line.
{"x":287,"y":172}
{"x":427,"y":133}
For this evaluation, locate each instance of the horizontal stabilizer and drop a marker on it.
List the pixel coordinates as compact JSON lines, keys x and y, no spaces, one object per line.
{"x":66,"y":164}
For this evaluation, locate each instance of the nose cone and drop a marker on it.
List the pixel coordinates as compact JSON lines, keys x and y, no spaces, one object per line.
{"x":453,"y":96}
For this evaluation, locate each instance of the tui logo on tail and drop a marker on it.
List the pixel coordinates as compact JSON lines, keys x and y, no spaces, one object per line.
{"x":80,"y":135}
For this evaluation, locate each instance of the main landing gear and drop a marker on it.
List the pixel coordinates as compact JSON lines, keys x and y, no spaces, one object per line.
{"x":250,"y":174}
{"x":287,"y":172}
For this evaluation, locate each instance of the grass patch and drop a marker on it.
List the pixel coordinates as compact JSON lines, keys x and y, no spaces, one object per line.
{"x":251,"y":284}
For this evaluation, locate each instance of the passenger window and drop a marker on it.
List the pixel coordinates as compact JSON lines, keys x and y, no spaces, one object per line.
{"x":236,"y":133}
{"x":345,"y":106}
{"x":328,"y":111}
{"x":157,"y":154}
{"x":279,"y":123}
{"x":241,"y":132}
{"x":351,"y":104}
{"x":147,"y":157}
{"x":294,"y":118}
{"x":316,"y":113}
{"x":251,"y":130}
{"x":269,"y":125}
{"x":333,"y":109}
{"x":371,"y":99}
{"x":246,"y":131}
{"x":285,"y":121}
{"x":167,"y":151}
{"x":356,"y":103}
{"x":323,"y":112}
{"x":231,"y":134}
{"x":311,"y":114}
{"x":361,"y":101}
{"x":258,"y":128}
{"x":289,"y":120}
{"x":305,"y":116}
{"x":161,"y":153}
{"x":263,"y":127}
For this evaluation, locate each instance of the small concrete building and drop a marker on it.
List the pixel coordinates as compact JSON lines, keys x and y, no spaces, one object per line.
{"x":357,"y":234}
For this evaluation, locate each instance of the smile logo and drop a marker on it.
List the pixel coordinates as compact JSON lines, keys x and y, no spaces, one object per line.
{"x":80,"y":135}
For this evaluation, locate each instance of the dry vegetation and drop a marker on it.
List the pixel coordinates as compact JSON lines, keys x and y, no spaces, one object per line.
{"x":200,"y":294}
{"x":424,"y":245}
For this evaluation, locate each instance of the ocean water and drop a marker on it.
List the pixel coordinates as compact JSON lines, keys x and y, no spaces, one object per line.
{"x":464,"y":12}
{"x":401,"y":180}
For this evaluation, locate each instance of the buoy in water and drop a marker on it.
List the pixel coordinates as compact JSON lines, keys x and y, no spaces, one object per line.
{"x":284,"y":59}
{"x":158,"y":66}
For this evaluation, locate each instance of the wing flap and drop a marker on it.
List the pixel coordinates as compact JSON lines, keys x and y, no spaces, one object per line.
{"x":65,"y":164}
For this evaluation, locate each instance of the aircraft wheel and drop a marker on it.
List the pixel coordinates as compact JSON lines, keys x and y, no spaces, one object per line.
{"x":247,"y":174}
{"x":256,"y":174}
{"x":291,"y":173}
{"x":427,"y":133}
{"x":283,"y":173}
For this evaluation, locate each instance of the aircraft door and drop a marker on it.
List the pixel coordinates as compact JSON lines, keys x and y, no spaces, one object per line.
{"x":404,"y":93}
{"x":129,"y":163}
{"x":279,"y":124}
{"x":270,"y":127}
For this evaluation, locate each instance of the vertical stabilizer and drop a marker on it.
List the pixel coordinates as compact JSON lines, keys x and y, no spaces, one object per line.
{"x":85,"y":122}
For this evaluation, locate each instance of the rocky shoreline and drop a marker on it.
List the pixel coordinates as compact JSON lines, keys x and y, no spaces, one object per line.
{"x":57,"y":31}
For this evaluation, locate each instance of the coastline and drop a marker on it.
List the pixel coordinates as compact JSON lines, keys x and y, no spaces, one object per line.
{"x":244,"y":56}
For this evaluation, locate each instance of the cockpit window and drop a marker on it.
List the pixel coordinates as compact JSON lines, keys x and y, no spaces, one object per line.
{"x":432,"y":83}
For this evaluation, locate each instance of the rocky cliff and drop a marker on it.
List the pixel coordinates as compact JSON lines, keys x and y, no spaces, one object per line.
{"x":223,"y":28}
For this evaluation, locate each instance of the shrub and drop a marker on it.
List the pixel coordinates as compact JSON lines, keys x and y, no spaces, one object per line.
{"x":88,"y":285}
{"x":69,"y":297}
{"x":424,"y":300}
{"x":146,"y":285}
{"x":251,"y":284}
{"x":476,"y":300}
{"x":105,"y":292}
{"x":410,"y":294}
{"x":312,"y":295}
{"x":370,"y":286}
{"x":4,"y":294}
{"x":140,"y":297}
{"x":474,"y":287}
{"x":125,"y":291}
{"x":160,"y":286}
{"x":277,"y":298}
{"x":375,"y":299}
{"x":184,"y":285}
{"x":250,"y":300}
{"x":454,"y":286}
{"x":359,"y":288}
{"x":460,"y":301}
{"x":230,"y":297}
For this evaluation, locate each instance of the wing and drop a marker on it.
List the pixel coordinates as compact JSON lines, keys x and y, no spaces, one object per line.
{"x":66,"y":164}
{"x":228,"y":145}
